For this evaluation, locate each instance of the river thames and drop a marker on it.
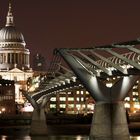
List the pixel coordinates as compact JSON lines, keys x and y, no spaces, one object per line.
{"x":71,"y":137}
{"x":55,"y":132}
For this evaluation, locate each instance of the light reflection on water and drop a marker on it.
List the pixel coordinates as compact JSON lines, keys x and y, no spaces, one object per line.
{"x":53,"y":138}
{"x":135,"y":138}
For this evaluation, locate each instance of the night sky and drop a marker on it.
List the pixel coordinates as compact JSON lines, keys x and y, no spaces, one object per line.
{"x":49,"y":24}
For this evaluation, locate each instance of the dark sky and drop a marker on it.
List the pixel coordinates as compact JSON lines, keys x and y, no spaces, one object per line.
{"x":49,"y":24}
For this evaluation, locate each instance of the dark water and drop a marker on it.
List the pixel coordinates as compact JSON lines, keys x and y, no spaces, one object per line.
{"x":4,"y":137}
{"x":23,"y":134}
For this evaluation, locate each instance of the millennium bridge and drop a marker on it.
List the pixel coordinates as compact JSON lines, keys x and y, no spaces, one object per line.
{"x":88,"y":68}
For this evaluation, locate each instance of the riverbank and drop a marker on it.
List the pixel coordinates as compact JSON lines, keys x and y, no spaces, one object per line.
{"x":57,"y":125}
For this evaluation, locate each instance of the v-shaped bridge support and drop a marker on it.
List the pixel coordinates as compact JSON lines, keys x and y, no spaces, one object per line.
{"x":109,"y":120}
{"x":38,"y":124}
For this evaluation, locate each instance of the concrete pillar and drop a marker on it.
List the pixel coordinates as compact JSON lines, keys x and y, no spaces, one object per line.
{"x":38,"y":125}
{"x":109,"y":122}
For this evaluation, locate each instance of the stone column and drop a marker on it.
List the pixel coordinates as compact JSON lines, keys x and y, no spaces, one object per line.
{"x":109,"y":122}
{"x":38,"y":124}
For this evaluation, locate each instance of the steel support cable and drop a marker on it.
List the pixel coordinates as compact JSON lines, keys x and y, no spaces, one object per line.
{"x":133,"y":63}
{"x":66,"y":69}
{"x":109,"y":62}
{"x":134,"y":50}
{"x":84,"y":65}
{"x":95,"y":63}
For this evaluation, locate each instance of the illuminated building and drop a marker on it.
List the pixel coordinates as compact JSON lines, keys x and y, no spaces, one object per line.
{"x":7,"y":97}
{"x":14,"y":57}
{"x":80,"y":101}
{"x":77,"y":101}
{"x":132,"y":101}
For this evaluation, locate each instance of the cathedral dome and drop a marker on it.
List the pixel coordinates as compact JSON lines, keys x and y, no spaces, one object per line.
{"x":10,"y":34}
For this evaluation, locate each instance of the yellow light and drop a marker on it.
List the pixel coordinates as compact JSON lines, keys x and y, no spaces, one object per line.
{"x":137,"y":106}
{"x":127,"y":105}
{"x":78,"y":138}
{"x":134,"y":111}
{"x":3,"y":109}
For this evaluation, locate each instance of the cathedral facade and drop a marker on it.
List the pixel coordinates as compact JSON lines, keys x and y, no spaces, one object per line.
{"x":14,"y":56}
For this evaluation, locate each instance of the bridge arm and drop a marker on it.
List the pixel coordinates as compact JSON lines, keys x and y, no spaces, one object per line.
{"x":45,"y":99}
{"x":31,"y":100}
{"x":95,"y":63}
{"x":96,"y":88}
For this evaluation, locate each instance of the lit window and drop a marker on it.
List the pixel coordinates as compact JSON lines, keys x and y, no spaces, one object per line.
{"x":82,"y":99}
{"x":62,"y":98}
{"x":135,"y":93}
{"x":127,"y":99}
{"x":77,"y":92}
{"x":53,"y":99}
{"x":135,"y":87}
{"x":87,"y":92}
{"x":62,"y":93}
{"x":90,"y":106}
{"x":78,"y":99}
{"x":62,"y":105}
{"x":82,"y":92}
{"x":78,"y":106}
{"x":52,"y":105}
{"x":70,"y":99}
{"x":127,"y":105}
{"x":83,"y":106}
{"x":109,"y":84}
{"x":71,"y":105}
{"x":69,"y":92}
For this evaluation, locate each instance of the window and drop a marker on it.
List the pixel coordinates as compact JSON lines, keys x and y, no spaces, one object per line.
{"x":127,"y":99}
{"x":62,"y":98}
{"x":70,"y":99}
{"x":77,"y":92}
{"x":53,"y":99}
{"x":78,"y":99}
{"x":69,"y":92}
{"x":71,"y":106}
{"x":78,"y":106}
{"x":62,"y":105}
{"x":52,"y":105}
{"x":82,"y":92}
{"x":82,"y":98}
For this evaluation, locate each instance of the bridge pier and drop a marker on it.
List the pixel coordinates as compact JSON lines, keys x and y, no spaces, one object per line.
{"x":38,"y":124}
{"x":109,"y":122}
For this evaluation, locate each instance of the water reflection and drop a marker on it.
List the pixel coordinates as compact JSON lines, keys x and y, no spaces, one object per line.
{"x":15,"y":138}
{"x":135,"y":138}
{"x":52,"y":138}
{"x":60,"y":138}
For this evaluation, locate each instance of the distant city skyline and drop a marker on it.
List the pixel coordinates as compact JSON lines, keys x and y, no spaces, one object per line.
{"x":49,"y":24}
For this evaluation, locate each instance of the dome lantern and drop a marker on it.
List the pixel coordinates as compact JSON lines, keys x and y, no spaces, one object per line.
{"x":9,"y":35}
{"x":10,"y":18}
